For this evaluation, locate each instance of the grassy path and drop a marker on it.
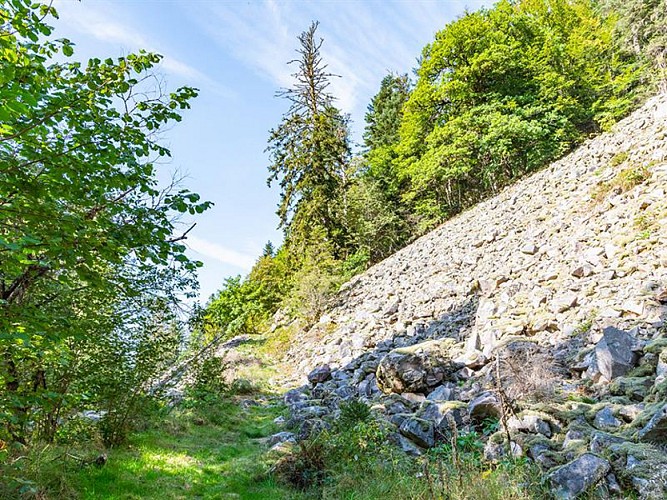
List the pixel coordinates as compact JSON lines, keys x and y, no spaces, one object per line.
{"x":213,"y":452}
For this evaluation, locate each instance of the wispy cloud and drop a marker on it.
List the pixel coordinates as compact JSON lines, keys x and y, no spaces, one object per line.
{"x":363,"y":40}
{"x":98,"y":21}
{"x":220,"y":253}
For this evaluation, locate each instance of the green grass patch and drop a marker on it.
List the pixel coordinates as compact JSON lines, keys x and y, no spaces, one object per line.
{"x":213,"y":452}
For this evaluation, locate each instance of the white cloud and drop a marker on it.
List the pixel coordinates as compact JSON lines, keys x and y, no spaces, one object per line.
{"x":220,"y":253}
{"x":363,"y":40}
{"x":98,"y":21}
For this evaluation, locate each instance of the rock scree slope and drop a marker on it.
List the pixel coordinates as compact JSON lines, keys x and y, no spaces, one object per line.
{"x":544,"y":307}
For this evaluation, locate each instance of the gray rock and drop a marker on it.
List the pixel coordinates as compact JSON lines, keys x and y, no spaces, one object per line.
{"x":656,"y":428}
{"x":614,"y":353}
{"x":495,"y":451}
{"x":320,"y":374}
{"x":407,"y":446}
{"x":484,"y":406}
{"x":530,"y":423}
{"x":605,"y":419}
{"x":282,"y":437}
{"x":573,"y":479}
{"x":445,"y":392}
{"x":417,"y":368}
{"x":294,"y":397}
{"x":418,"y":430}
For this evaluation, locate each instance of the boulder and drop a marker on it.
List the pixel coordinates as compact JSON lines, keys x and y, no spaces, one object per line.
{"x":418,"y":368}
{"x":418,"y":430}
{"x":530,"y":423}
{"x":320,"y":374}
{"x":486,"y":405}
{"x":656,"y":428}
{"x":605,"y":419}
{"x":294,"y":398}
{"x":614,"y":353}
{"x":443,"y":415}
{"x":445,"y":392}
{"x":573,"y":479}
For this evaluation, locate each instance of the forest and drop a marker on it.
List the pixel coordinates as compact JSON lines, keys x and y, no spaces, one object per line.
{"x":94,"y":270}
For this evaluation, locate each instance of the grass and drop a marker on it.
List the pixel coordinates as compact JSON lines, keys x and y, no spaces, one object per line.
{"x":624,"y":181}
{"x":209,"y":453}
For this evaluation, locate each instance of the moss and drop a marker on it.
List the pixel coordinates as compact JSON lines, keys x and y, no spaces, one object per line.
{"x":452,"y":405}
{"x":649,"y":410}
{"x":635,"y":388}
{"x":651,"y":460}
{"x":646,"y":370}
{"x":658,"y":392}
{"x":618,"y":158}
{"x":656,"y":346}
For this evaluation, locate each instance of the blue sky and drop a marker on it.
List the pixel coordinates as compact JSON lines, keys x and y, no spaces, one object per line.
{"x":236,"y":52}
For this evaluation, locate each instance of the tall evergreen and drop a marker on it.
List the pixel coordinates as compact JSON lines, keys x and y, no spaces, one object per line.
{"x":309,"y":151}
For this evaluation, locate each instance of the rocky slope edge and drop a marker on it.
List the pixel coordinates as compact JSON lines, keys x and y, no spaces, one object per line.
{"x":543,"y":307}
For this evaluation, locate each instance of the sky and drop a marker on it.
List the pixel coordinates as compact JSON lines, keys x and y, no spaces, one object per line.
{"x":236,"y":54}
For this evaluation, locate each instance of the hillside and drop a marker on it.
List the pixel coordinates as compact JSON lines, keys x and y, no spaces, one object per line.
{"x":558,"y":285}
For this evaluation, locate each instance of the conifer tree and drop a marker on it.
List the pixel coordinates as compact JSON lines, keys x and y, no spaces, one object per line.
{"x":309,"y":151}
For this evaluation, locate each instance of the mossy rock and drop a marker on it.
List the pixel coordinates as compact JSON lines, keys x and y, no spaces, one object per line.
{"x":646,"y":370}
{"x":658,"y":392}
{"x":656,"y":346}
{"x":635,"y":388}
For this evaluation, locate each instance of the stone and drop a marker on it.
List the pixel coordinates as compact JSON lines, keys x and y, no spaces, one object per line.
{"x":417,"y":368}
{"x":564,"y":302}
{"x":493,"y":451}
{"x":530,"y":423}
{"x":445,"y":392}
{"x":282,"y":437}
{"x":605,"y":419}
{"x":418,"y":430}
{"x":614,"y":353}
{"x":573,"y":479}
{"x":320,"y":374}
{"x":294,"y":397}
{"x":529,"y":249}
{"x":656,"y":428}
{"x":486,"y":405}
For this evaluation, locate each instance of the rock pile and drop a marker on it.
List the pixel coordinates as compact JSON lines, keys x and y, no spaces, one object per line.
{"x":549,"y":299}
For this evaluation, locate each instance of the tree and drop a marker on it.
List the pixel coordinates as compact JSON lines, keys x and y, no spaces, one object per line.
{"x":309,"y":150}
{"x":381,"y":135}
{"x":86,"y":234}
{"x":383,"y":117}
{"x":642,"y":29}
{"x":501,"y":92}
